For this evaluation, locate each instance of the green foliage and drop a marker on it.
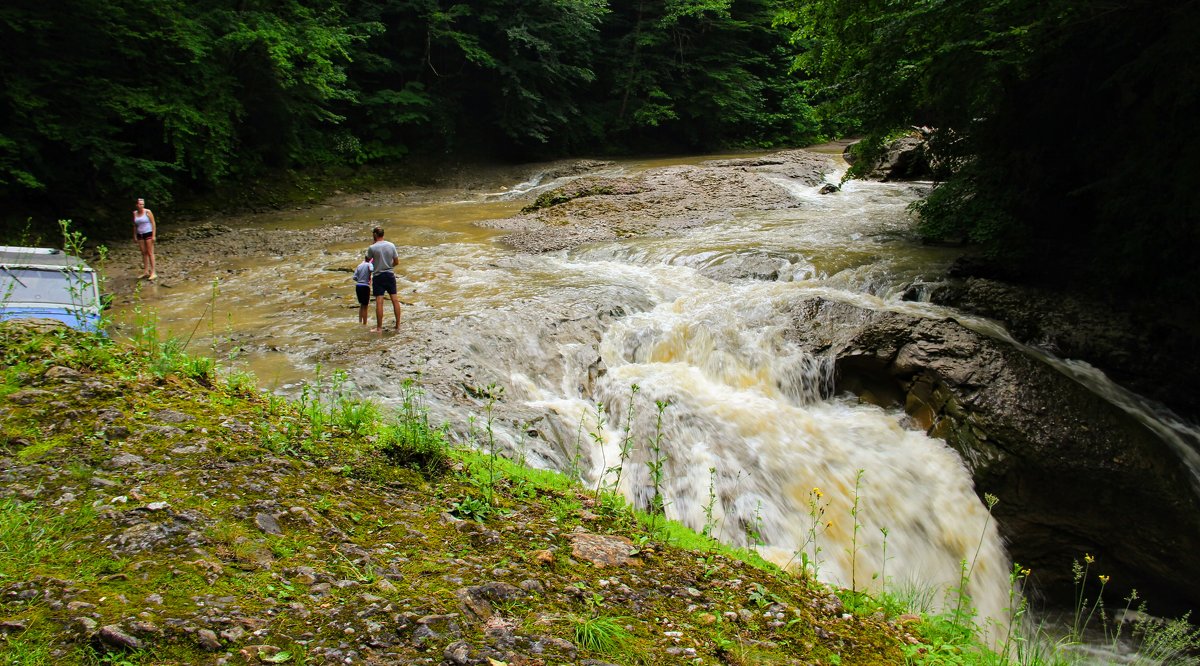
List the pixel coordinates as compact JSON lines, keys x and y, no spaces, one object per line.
{"x":1064,"y":130}
{"x":411,"y":441}
{"x":604,"y":635}
{"x":174,"y":98}
{"x":160,"y":94}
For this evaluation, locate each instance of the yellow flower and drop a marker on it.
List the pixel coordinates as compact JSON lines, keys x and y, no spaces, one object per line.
{"x":817,"y":492}
{"x":1025,"y":572}
{"x":1104,"y":580}
{"x":1088,"y":558}
{"x":829,"y":524}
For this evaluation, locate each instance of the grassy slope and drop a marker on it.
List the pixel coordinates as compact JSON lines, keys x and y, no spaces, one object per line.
{"x":135,"y":486}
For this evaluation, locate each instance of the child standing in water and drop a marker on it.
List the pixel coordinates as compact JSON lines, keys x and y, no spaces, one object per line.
{"x":362,"y":287}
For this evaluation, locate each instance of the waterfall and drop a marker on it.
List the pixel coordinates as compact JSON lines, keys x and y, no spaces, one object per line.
{"x":758,"y":450}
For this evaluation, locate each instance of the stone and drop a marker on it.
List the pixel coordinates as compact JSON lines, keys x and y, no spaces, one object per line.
{"x":112,"y":635}
{"x":1040,"y":440}
{"x":207,"y":640}
{"x":475,"y":601}
{"x":125,"y":460}
{"x":170,"y":416}
{"x":436,"y":627}
{"x":259,"y":653}
{"x":603,"y":550}
{"x":28,"y":396}
{"x":267,"y":523}
{"x":62,"y":373}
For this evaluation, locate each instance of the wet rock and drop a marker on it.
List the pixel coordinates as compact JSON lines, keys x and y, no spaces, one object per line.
{"x":8,"y":626}
{"x":751,"y":266}
{"x":658,"y":201}
{"x":829,"y":188}
{"x":1039,"y":440}
{"x":906,"y":158}
{"x":1152,"y":354}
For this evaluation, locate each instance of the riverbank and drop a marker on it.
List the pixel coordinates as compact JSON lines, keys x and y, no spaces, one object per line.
{"x":156,"y":511}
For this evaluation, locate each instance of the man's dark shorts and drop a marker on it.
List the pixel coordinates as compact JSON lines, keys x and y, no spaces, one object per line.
{"x":385,"y":283}
{"x":363,"y":292}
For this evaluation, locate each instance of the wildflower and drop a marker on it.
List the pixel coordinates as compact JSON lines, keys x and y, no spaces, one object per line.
{"x":1025,"y":572}
{"x":817,"y":492}
{"x":1087,"y":557}
{"x":1104,"y":580}
{"x":829,"y":524}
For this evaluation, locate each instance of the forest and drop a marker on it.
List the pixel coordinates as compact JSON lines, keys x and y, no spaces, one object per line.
{"x":1062,"y":132}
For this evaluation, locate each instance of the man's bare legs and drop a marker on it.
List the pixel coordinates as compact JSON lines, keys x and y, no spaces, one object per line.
{"x":395,"y":309}
{"x":379,"y":312}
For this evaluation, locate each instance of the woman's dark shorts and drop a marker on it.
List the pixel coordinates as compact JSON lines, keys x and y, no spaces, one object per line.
{"x":363,"y":292}
{"x":385,"y":283}
{"x":146,"y":235}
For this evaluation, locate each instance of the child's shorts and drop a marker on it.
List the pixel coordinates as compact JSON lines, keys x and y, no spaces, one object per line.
{"x":363,"y":292}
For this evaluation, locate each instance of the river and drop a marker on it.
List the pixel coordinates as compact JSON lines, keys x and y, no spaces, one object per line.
{"x":753,"y":442}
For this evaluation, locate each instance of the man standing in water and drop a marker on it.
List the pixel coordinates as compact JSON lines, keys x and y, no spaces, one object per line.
{"x":383,"y":258}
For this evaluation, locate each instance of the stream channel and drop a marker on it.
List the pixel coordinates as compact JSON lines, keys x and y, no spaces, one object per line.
{"x":754,"y":444}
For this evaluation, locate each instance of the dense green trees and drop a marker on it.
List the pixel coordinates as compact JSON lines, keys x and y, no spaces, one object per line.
{"x":106,"y":100}
{"x":1066,"y":130}
{"x":119,"y":98}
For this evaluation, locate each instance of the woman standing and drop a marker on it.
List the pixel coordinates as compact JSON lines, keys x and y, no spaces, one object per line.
{"x":144,"y":232}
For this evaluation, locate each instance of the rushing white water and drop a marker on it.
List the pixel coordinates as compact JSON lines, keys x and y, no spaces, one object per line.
{"x":755,"y":447}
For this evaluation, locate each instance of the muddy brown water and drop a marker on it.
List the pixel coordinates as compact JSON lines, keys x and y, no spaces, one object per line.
{"x":750,"y":432}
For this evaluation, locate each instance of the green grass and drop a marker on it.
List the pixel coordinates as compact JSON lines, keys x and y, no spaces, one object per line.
{"x":604,"y":635}
{"x":332,"y":440}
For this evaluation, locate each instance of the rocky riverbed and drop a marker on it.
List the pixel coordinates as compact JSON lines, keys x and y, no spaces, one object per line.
{"x":152,"y":512}
{"x":1021,"y":427}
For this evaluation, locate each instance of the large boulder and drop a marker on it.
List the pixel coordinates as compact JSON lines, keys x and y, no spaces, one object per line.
{"x":1074,"y":473}
{"x":1150,"y":352}
{"x":906,"y":158}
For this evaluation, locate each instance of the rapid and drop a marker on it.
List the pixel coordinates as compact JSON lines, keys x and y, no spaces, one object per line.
{"x":642,"y":353}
